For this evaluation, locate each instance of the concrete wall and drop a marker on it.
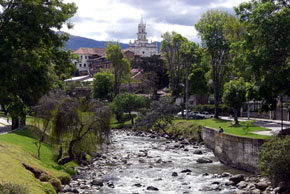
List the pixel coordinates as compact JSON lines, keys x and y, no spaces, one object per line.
{"x":238,"y":152}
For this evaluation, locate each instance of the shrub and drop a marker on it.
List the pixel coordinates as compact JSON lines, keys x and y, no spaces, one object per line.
{"x":9,"y":188}
{"x":274,"y":159}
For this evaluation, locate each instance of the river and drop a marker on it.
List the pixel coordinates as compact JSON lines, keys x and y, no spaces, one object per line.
{"x":134,"y":164}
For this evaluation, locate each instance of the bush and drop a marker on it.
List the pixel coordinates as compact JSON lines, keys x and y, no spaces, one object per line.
{"x":9,"y":188}
{"x":210,"y":108}
{"x":274,"y":159}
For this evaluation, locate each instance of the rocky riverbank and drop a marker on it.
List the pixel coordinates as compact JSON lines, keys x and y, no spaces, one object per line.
{"x":138,"y":162}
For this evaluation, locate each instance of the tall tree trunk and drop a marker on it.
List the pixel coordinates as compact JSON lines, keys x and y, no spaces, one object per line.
{"x":186,"y":91}
{"x":15,"y":123}
{"x":116,"y":89}
{"x":132,"y":119}
{"x":236,"y":116}
{"x":4,"y":109}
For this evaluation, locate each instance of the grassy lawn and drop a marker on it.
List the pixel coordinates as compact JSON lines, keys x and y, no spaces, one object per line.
{"x":19,"y":147}
{"x":227,"y":126}
{"x":126,"y":123}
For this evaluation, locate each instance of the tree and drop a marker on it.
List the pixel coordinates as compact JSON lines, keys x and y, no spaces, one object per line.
{"x":211,"y":30}
{"x":78,"y":126}
{"x":190,"y":54}
{"x":267,"y":46}
{"x":274,"y":160}
{"x":155,"y":72}
{"x":170,"y":47}
{"x":103,"y":86}
{"x":122,"y":67}
{"x":158,"y":116}
{"x":30,"y":48}
{"x":235,"y":95}
{"x":197,"y":81}
{"x":127,"y":102}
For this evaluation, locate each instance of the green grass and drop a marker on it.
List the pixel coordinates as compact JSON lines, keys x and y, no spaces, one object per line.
{"x":227,"y":126}
{"x":19,"y":147}
{"x":127,"y":123}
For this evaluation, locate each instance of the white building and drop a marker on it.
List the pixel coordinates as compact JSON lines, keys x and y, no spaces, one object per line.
{"x":83,"y":64}
{"x":141,"y":46}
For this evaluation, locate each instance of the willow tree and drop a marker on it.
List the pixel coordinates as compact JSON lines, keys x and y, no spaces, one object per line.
{"x":122,"y":67}
{"x":30,"y":48}
{"x":210,"y":28}
{"x":78,"y":126}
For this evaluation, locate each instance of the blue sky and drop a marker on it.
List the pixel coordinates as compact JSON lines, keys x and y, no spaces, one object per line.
{"x":117,"y":20}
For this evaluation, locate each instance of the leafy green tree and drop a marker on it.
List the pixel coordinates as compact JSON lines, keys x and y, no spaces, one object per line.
{"x":158,"y":116}
{"x":170,"y":47}
{"x":267,"y":46}
{"x":127,"y":102}
{"x":30,"y":49}
{"x":190,"y":54}
{"x":78,"y":126}
{"x":155,"y":72}
{"x":122,"y":67}
{"x":235,"y":95}
{"x":211,"y":30}
{"x":197,"y":81}
{"x":17,"y":110}
{"x":274,"y":159}
{"x":103,"y":86}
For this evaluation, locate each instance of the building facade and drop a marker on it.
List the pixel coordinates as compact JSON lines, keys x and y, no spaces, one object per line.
{"x":141,"y":46}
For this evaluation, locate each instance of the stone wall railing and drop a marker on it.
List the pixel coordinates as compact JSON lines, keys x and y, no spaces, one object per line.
{"x":238,"y":152}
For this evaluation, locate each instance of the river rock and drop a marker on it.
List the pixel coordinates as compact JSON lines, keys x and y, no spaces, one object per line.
{"x":237,"y":178}
{"x":186,"y":171}
{"x":174,"y":174}
{"x":225,"y":174}
{"x":242,"y":185}
{"x":137,"y":185}
{"x":199,"y":152}
{"x":262,"y":185}
{"x":97,"y":183}
{"x":256,"y":191}
{"x":159,"y":160}
{"x":204,"y":160}
{"x":151,"y":188}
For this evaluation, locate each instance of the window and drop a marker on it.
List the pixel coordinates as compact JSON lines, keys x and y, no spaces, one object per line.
{"x":86,"y":57}
{"x":143,"y":52}
{"x":81,"y":56}
{"x":80,"y":65}
{"x":85,"y":65}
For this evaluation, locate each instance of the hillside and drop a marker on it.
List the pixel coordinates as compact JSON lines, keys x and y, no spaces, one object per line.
{"x":76,"y":42}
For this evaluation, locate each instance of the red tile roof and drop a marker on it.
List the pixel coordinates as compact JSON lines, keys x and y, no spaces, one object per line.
{"x":90,"y":51}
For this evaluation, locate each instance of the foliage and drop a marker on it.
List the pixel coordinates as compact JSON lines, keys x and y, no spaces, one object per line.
{"x":127,"y":102}
{"x":17,"y":110}
{"x":103,"y":86}
{"x":197,"y":81}
{"x":235,"y":95}
{"x":211,"y":30}
{"x":266,"y":46}
{"x":158,"y":117}
{"x":210,"y":108}
{"x":122,"y":67}
{"x":30,"y":52}
{"x":274,"y":159}
{"x":9,"y":188}
{"x":156,"y":76}
{"x":170,"y":47}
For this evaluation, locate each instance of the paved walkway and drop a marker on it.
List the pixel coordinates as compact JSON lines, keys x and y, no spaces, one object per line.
{"x":4,"y":126}
{"x":274,"y":126}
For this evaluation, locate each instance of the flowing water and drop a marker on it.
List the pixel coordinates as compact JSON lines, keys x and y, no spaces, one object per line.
{"x":132,"y":163}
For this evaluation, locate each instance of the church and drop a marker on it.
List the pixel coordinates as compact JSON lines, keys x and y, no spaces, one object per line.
{"x":141,"y":46}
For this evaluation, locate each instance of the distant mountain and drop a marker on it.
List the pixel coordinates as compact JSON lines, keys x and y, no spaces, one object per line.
{"x":76,"y":42}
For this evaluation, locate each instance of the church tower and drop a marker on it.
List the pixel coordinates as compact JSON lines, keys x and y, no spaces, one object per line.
{"x":141,"y":46}
{"x":141,"y":35}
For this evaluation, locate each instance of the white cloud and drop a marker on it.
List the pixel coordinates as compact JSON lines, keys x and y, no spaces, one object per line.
{"x":118,"y":20}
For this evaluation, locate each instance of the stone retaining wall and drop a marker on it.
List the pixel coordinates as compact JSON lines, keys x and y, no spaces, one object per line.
{"x":235,"y":151}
